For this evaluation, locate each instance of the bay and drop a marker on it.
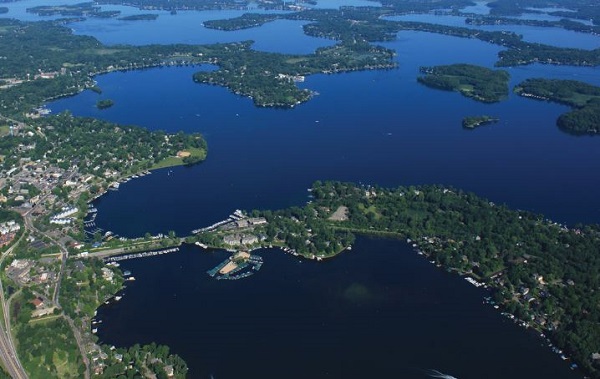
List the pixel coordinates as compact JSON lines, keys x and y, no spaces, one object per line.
{"x":379,"y":311}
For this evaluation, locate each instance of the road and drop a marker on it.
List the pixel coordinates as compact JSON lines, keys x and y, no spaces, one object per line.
{"x":8,"y":353}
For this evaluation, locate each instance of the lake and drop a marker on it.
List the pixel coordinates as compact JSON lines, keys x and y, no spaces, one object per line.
{"x":380,"y":310}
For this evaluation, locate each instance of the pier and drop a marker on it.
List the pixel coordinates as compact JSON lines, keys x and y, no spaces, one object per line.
{"x":141,"y":255}
{"x":235,"y":216}
{"x":213,"y":226}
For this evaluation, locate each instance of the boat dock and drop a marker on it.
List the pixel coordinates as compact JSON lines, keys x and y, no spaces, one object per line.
{"x":235,"y":216}
{"x":141,"y":255}
{"x":212,"y":227}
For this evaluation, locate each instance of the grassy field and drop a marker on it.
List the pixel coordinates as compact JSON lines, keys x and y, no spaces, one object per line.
{"x":176,"y":161}
{"x":4,"y":130}
{"x":48,"y":350}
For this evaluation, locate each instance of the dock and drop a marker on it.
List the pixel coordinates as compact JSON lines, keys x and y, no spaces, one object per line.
{"x":141,"y":255}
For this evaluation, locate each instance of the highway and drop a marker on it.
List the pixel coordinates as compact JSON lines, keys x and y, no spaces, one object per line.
{"x":8,"y":353}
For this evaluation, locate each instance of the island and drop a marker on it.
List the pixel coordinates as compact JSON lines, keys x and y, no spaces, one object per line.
{"x":472,"y":122}
{"x":75,"y":10}
{"x":139,"y":17}
{"x":104,"y":104}
{"x":476,"y":82}
{"x":582,"y":97}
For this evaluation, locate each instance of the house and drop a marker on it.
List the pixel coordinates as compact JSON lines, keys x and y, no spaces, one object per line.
{"x":37,"y":302}
{"x":107,"y":274}
{"x":249,"y":239}
{"x":231,"y":239}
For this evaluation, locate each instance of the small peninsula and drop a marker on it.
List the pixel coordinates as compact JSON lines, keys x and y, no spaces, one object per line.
{"x":584,"y":98}
{"x":475,"y":82}
{"x":472,"y":122}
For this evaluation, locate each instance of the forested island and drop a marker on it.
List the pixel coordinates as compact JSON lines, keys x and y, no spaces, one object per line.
{"x":139,"y":17}
{"x":476,"y":82}
{"x":472,"y":122}
{"x":583,"y":97}
{"x":104,"y":104}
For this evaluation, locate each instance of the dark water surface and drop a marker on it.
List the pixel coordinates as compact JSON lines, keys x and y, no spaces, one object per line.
{"x":379,"y":311}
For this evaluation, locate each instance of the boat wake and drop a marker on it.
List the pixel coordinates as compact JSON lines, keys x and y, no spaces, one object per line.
{"x":436,"y":374}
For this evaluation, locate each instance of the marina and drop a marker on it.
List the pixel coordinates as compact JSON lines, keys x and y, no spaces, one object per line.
{"x":239,"y":266}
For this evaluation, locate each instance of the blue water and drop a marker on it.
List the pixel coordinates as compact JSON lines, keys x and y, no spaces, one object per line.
{"x":549,"y":36}
{"x":302,"y":319}
{"x":379,"y":311}
{"x":375,"y":127}
{"x":283,"y":36}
